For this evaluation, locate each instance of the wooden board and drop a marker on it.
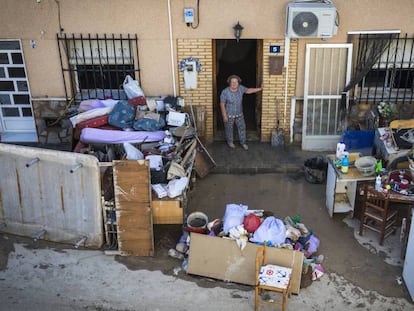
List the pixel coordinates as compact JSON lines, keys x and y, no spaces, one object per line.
{"x":203,"y":164}
{"x":167,"y":211}
{"x":222,"y":259}
{"x":133,"y":207}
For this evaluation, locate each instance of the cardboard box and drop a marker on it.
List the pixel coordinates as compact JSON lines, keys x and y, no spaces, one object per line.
{"x":222,"y":259}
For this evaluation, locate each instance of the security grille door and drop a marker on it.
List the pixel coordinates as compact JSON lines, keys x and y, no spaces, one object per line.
{"x":327,"y":71}
{"x":16,"y":115}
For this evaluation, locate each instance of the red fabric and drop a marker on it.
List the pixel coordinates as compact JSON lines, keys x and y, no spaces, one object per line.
{"x":94,"y":122}
{"x":79,"y":146}
{"x":138,"y":101}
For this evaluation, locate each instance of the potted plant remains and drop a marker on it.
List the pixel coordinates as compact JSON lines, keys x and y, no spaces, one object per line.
{"x":387,"y":113}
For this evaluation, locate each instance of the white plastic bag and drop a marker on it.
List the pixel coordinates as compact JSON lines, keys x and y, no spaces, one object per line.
{"x":132,"y":88}
{"x":233,"y":216}
{"x":271,"y":230}
{"x":132,"y":152}
{"x":177,"y":186}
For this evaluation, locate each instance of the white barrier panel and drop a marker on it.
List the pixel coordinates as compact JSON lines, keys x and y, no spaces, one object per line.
{"x":51,"y":195}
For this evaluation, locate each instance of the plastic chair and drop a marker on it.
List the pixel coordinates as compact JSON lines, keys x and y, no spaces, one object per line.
{"x":376,"y":214}
{"x":271,"y":278}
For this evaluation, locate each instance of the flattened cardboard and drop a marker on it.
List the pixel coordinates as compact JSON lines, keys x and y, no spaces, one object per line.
{"x":222,"y":259}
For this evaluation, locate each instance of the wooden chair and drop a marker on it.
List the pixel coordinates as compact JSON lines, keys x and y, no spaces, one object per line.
{"x":271,"y":280}
{"x":376,"y":214}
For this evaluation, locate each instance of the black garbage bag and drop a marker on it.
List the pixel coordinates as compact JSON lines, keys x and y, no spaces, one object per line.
{"x":316,"y":169}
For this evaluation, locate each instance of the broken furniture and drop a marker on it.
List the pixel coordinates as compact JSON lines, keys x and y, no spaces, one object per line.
{"x":341,"y":188}
{"x":133,"y":208}
{"x":377,"y":214}
{"x":57,"y":196}
{"x":394,"y":143}
{"x":270,"y":279}
{"x":393,"y":157}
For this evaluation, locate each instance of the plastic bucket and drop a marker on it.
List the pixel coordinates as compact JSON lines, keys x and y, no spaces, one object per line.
{"x":197,"y":222}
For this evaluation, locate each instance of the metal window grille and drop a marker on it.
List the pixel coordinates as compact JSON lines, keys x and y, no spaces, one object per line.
{"x":96,"y":66}
{"x":391,"y":78}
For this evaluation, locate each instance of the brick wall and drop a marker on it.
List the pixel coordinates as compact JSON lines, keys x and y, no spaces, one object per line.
{"x":274,"y":87}
{"x":274,"y":84}
{"x":202,"y":49}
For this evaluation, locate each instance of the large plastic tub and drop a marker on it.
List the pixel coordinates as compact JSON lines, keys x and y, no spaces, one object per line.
{"x":358,"y":139}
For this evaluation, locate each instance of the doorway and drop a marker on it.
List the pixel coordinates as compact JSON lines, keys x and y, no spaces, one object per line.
{"x":240,"y":58}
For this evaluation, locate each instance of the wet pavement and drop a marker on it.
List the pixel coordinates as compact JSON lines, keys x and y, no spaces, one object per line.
{"x":271,"y":178}
{"x":261,"y":158}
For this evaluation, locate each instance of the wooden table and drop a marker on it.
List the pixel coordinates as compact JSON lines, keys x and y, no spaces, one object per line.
{"x":408,"y":203}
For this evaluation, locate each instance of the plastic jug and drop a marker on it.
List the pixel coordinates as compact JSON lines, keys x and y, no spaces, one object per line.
{"x":345,"y":163}
{"x":340,"y":149}
{"x":378,"y":183}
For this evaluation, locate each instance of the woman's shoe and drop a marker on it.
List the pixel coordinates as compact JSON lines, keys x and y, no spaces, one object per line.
{"x":231,"y":145}
{"x":245,"y":147}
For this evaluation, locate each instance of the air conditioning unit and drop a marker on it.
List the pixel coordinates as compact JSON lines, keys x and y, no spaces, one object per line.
{"x":310,"y":20}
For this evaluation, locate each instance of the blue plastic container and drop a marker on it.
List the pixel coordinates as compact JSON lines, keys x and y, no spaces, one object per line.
{"x":358,"y":139}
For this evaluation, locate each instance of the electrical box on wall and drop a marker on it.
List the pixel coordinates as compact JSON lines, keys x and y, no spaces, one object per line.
{"x":190,"y":75}
{"x":189,"y":15}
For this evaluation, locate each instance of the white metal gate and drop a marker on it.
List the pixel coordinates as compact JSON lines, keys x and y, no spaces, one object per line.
{"x":327,"y":71}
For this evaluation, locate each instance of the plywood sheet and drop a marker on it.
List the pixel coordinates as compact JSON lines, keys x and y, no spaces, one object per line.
{"x":222,"y":259}
{"x":133,"y":207}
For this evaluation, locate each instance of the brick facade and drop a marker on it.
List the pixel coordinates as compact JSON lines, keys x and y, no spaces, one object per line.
{"x":273,"y":84}
{"x":202,"y":49}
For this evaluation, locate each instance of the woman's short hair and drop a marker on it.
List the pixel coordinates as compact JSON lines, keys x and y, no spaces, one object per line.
{"x":233,"y":77}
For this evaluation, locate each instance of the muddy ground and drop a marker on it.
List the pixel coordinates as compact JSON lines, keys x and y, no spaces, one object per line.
{"x":356,"y":278}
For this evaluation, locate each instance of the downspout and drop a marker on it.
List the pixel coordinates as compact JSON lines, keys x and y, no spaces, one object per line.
{"x":171,"y":48}
{"x":286,"y":65}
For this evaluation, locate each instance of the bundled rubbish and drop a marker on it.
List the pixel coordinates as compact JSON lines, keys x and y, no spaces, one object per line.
{"x":256,"y":226}
{"x":315,"y":170}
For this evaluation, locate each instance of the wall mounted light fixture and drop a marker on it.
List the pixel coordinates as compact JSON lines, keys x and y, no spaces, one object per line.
{"x":237,"y":31}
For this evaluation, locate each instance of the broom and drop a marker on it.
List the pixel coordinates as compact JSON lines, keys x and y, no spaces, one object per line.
{"x":278,"y":136}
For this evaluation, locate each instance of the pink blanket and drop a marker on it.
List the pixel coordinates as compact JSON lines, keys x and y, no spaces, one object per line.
{"x":95,"y":135}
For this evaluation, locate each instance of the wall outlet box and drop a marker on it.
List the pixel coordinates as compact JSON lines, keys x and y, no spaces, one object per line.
{"x":189,"y":15}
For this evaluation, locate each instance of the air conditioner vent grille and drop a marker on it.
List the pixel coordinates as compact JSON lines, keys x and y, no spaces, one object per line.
{"x":305,"y":23}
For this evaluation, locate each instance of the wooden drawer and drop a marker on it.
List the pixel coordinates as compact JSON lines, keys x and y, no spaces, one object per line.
{"x":167,"y":211}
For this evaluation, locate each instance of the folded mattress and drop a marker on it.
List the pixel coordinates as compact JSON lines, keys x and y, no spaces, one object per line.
{"x":95,"y":135}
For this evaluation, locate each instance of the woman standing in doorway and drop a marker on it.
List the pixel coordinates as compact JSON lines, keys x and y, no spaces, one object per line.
{"x":231,"y":104}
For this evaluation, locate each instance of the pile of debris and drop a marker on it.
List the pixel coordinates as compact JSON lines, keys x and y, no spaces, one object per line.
{"x":255,"y":226}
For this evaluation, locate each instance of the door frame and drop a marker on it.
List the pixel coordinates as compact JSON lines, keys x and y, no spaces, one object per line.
{"x":251,"y":134}
{"x":323,"y":142}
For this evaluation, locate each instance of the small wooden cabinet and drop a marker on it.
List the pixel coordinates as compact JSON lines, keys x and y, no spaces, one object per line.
{"x":341,"y":189}
{"x":168,"y":211}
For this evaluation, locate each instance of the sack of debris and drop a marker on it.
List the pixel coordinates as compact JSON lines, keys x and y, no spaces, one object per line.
{"x":315,"y":169}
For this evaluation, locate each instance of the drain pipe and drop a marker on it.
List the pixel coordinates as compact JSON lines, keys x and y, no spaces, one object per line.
{"x":171,"y":47}
{"x":286,"y":65}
